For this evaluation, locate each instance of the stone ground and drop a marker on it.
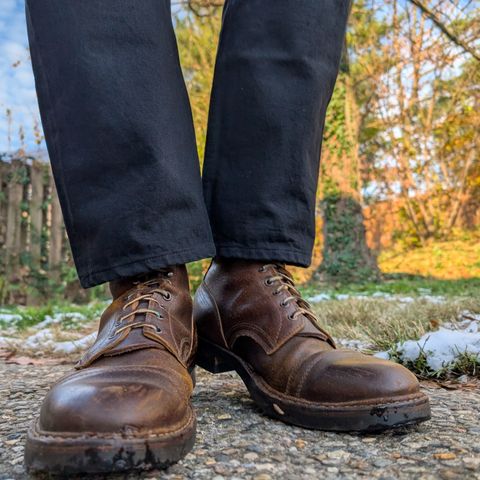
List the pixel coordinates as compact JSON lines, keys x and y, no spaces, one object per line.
{"x":235,"y":441}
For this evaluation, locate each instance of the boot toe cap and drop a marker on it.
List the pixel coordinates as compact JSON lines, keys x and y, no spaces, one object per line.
{"x":122,"y":400}
{"x":344,"y":376}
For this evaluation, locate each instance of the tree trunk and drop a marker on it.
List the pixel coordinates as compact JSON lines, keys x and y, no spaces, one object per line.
{"x":346,"y":255}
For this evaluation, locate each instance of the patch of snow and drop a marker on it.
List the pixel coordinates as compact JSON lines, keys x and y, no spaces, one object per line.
{"x":354,"y":344}
{"x":434,"y":299}
{"x":403,"y":299}
{"x":381,"y":295}
{"x":321,"y":297}
{"x":8,"y":342}
{"x":40,"y":339}
{"x":9,"y":317}
{"x":467,"y":315}
{"x":72,"y":346}
{"x":44,"y":341}
{"x":443,"y":347}
{"x":59,"y":318}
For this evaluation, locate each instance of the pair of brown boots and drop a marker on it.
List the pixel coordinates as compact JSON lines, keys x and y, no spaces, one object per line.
{"x":128,"y":403}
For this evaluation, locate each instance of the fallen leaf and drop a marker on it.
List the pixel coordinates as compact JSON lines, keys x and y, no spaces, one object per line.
{"x":454,"y":385}
{"x":444,"y":456}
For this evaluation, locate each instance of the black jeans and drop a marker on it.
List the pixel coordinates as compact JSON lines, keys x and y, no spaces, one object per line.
{"x":119,"y":131}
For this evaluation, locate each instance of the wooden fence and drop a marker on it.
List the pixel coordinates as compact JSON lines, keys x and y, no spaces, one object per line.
{"x":32,"y":235}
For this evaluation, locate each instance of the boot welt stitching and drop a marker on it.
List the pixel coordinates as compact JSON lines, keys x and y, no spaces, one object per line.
{"x":344,"y":405}
{"x":293,"y":374}
{"x":305,"y":374}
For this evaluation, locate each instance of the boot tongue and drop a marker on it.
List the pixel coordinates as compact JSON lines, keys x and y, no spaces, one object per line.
{"x":119,"y":287}
{"x":122,"y":285}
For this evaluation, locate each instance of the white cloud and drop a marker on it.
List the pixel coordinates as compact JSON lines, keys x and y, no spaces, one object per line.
{"x":12,"y":52}
{"x":8,"y":6}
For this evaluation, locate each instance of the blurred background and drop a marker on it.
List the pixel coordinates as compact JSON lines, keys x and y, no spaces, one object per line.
{"x":400,"y":179}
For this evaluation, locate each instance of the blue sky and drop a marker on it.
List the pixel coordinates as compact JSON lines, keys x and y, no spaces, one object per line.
{"x":17,"y":89}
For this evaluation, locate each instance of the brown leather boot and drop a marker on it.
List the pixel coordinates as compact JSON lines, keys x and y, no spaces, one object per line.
{"x":127,"y":405}
{"x":251,"y":319}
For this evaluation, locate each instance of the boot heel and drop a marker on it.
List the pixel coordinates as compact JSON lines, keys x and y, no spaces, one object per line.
{"x":209,"y":360}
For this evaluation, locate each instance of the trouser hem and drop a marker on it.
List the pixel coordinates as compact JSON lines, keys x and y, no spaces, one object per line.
{"x":289,"y":256}
{"x":146,"y":265}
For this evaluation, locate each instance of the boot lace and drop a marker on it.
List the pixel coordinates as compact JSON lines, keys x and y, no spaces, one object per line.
{"x":285,"y":283}
{"x":144,"y":293}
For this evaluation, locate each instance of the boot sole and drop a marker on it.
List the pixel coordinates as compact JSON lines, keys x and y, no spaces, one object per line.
{"x":369,"y":416}
{"x":67,"y":454}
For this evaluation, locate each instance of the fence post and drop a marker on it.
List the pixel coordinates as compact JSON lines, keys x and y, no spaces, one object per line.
{"x":36,"y":212}
{"x":13,"y":233}
{"x":56,"y":235}
{"x":4,"y":169}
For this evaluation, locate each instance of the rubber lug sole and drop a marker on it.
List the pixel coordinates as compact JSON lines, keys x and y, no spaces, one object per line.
{"x":69,"y":455}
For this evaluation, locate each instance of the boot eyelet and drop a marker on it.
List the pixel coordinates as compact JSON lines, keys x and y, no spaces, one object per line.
{"x":268,"y":282}
{"x":261,"y":269}
{"x":167,"y":297}
{"x":276,"y":292}
{"x":283,"y":304}
{"x":291,"y":317}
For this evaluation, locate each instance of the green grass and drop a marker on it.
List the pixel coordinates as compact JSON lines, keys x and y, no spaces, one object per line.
{"x":31,"y":316}
{"x":398,"y":284}
{"x":384,"y":323}
{"x":380,"y":323}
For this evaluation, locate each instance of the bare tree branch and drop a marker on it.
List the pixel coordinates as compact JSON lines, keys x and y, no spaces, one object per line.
{"x":445,"y":29}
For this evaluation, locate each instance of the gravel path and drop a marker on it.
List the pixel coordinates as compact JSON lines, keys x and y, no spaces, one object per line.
{"x":234,"y":441}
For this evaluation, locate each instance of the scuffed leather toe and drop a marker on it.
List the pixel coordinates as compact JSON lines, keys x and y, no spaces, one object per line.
{"x":91,"y":402}
{"x":353,"y":377}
